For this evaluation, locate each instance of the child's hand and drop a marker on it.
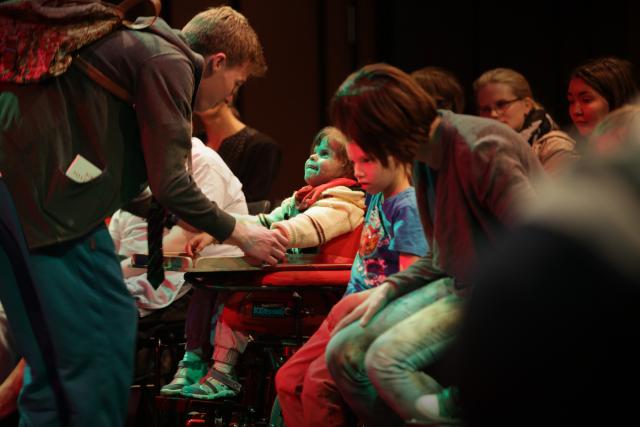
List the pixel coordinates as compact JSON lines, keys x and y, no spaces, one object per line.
{"x":283,"y":233}
{"x":376,"y":300}
{"x":197,"y":243}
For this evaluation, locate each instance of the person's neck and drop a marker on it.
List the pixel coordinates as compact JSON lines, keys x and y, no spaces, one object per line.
{"x":220,"y":126}
{"x":399,"y":184}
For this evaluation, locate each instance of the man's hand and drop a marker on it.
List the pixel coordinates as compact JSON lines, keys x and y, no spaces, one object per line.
{"x":255,"y":241}
{"x":376,"y":300}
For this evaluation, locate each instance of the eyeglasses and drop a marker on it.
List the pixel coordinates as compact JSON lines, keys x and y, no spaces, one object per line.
{"x":499,"y":107}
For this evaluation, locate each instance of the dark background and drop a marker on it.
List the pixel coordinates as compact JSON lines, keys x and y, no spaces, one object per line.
{"x":312,"y":45}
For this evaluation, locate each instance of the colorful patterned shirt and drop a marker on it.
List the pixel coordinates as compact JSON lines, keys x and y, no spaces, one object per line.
{"x":391,"y":227}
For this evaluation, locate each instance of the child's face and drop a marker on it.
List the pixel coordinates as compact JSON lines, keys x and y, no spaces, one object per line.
{"x":372,"y":176}
{"x":323,"y":165}
{"x":586,"y":106}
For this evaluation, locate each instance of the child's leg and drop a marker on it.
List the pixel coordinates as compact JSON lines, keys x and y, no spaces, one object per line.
{"x":347,"y":349}
{"x":290,"y":379}
{"x":322,"y":405}
{"x":219,"y":382}
{"x":395,"y":360}
{"x":198,"y":323}
{"x":193,"y":365}
{"x":229,"y":344}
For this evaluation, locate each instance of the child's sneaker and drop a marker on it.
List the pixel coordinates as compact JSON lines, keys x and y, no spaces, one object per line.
{"x":441,"y":408}
{"x":190,"y":369}
{"x":214,"y":385}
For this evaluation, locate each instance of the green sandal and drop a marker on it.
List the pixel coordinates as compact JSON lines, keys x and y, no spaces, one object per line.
{"x":215,"y":385}
{"x":188,"y":373}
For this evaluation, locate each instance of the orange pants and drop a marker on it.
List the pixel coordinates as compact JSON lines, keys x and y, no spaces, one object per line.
{"x":307,"y":393}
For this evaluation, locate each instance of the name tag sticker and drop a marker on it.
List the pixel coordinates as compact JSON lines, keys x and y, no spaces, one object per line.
{"x":82,"y":170}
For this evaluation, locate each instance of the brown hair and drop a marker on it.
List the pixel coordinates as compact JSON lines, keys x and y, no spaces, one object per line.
{"x":443,"y":86}
{"x":384,"y":111}
{"x":340,"y":147}
{"x":222,"y":29}
{"x":609,"y":76}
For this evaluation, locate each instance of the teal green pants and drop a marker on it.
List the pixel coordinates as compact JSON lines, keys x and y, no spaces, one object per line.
{"x":74,"y":323}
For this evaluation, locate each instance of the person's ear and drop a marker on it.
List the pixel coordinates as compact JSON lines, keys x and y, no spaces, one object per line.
{"x":218,"y":61}
{"x":528,"y":103}
{"x":214,"y":63}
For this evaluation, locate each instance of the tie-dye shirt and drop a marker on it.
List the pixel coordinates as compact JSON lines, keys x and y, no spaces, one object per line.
{"x":391,"y":227}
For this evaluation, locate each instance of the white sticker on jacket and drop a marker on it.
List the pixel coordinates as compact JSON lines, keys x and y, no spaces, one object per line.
{"x":82,"y":170}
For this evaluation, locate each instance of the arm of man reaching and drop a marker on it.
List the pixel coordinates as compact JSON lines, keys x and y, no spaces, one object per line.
{"x":165,"y":133}
{"x":340,"y":211}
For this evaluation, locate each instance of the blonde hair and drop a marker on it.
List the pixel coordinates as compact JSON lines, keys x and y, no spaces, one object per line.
{"x":333,"y":134}
{"x":506,"y":76}
{"x":222,"y":29}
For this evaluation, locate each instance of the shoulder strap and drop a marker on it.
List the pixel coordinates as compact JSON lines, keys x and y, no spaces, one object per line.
{"x":140,"y":23}
{"x":100,"y":78}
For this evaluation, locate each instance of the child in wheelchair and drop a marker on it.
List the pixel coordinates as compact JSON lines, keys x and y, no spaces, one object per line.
{"x":329,"y":205}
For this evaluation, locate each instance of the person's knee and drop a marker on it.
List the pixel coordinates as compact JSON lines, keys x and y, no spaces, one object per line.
{"x":314,"y":389}
{"x":286,"y":380}
{"x":380,"y":358}
{"x":345,"y":353}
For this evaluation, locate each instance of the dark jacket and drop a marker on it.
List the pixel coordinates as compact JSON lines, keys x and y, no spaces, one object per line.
{"x":484,"y":182}
{"x":45,"y":125}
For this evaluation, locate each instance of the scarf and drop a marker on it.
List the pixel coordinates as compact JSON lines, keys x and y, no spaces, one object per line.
{"x":308,"y":195}
{"x":536,"y":124}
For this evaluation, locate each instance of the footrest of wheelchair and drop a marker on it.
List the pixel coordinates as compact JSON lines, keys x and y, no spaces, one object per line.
{"x":186,"y":405}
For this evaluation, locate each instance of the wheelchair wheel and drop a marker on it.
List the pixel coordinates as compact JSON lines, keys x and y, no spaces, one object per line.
{"x":276,"y":419}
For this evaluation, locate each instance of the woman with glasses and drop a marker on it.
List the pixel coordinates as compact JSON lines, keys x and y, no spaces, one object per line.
{"x":597,"y":87}
{"x":504,"y":94}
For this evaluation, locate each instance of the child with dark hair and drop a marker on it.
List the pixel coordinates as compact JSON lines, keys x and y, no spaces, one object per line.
{"x":472,"y":178}
{"x":392,"y":239}
{"x":326,"y":208}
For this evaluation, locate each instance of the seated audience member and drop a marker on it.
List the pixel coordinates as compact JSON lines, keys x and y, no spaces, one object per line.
{"x":392,"y":239}
{"x":548,"y":336}
{"x":129,"y":232}
{"x":472,"y":177}
{"x":443,"y":86}
{"x":504,"y":94}
{"x":596,"y":88}
{"x":324,"y":209}
{"x":251,"y":155}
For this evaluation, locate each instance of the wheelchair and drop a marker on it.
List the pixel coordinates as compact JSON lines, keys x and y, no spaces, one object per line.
{"x":279,"y":307}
